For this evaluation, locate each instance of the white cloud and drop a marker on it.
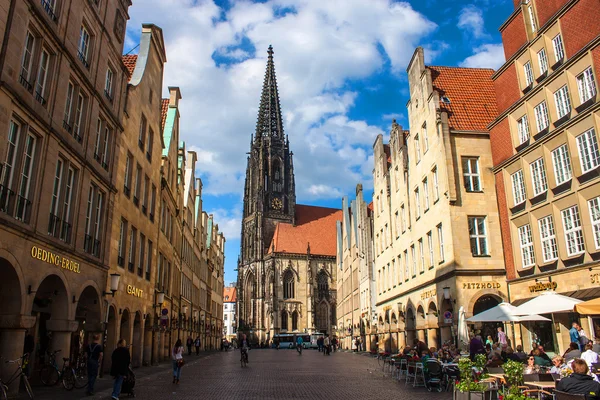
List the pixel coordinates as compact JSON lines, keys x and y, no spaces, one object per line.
{"x":486,"y":56}
{"x":319,"y":46}
{"x":391,"y":116}
{"x":470,"y":20}
{"x":229,"y":221}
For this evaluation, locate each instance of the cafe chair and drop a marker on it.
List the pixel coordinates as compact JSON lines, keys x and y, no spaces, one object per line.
{"x":567,"y":396}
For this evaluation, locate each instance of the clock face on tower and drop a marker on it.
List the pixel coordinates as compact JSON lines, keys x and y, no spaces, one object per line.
{"x":277,"y":204}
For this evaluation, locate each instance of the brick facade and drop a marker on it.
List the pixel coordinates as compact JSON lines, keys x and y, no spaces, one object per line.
{"x":547,"y":8}
{"x":580,"y":25}
{"x":514,"y":35}
{"x":596,"y":60}
{"x":505,"y":225}
{"x":500,"y":137}
{"x":507,"y":88}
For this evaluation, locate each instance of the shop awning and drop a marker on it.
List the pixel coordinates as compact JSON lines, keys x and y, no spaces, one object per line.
{"x":591,"y":307}
{"x":504,"y":312}
{"x":547,"y":303}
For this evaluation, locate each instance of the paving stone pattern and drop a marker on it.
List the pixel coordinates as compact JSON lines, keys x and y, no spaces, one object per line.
{"x":271,"y":374}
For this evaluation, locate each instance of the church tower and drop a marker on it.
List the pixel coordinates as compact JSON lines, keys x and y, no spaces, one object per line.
{"x":269,"y":192}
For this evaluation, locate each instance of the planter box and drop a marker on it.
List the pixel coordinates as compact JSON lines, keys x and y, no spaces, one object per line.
{"x":486,"y":395}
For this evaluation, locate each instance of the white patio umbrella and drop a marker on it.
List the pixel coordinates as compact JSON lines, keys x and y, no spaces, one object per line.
{"x":463,"y":330}
{"x":504,"y":312}
{"x":547,"y":303}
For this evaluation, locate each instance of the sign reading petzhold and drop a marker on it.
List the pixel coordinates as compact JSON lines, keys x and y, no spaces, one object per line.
{"x":55,"y":259}
{"x":481,"y":285}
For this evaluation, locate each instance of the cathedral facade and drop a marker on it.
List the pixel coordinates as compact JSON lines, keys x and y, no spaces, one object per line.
{"x":287,"y":265}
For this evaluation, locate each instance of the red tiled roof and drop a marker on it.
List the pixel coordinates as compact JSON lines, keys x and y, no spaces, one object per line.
{"x":315,"y":226}
{"x":370,"y":206}
{"x":472,"y":105}
{"x":164,"y":107}
{"x":229,"y":294}
{"x":129,"y":62}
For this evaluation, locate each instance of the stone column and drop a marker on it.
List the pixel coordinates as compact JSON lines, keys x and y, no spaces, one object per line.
{"x":12,"y":337}
{"x":432,"y":337}
{"x":61,"y":335}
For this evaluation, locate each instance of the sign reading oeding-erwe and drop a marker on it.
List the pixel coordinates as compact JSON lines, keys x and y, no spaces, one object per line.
{"x":55,"y":259}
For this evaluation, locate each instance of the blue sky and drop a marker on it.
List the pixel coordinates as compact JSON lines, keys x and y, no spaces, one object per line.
{"x":340,"y":68}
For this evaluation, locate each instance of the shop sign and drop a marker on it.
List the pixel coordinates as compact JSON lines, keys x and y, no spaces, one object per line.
{"x":133,"y":291}
{"x":448,"y":317}
{"x":543,"y":286}
{"x":429,"y":293}
{"x":55,"y":259}
{"x":595,"y":278}
{"x":481,"y":285}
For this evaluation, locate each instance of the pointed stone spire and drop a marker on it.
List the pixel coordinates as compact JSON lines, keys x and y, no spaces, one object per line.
{"x":269,"y":124}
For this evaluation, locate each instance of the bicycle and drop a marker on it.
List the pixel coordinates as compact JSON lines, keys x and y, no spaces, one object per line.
{"x":19,"y":373}
{"x":244,"y":359}
{"x":381,"y":356}
{"x":50,"y":374}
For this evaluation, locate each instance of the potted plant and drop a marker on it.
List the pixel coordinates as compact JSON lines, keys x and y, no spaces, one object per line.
{"x":468,"y":388}
{"x":513,"y":373}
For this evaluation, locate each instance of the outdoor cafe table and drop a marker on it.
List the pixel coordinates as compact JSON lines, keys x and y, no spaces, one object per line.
{"x":542,"y":385}
{"x":497,"y":376}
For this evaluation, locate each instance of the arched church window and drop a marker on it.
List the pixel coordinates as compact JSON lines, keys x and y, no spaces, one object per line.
{"x":323,"y":285}
{"x":284,"y":320}
{"x":288,"y":285}
{"x":295,"y":321}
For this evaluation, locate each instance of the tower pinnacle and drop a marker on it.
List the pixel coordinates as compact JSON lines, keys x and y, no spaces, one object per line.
{"x":269,"y":123}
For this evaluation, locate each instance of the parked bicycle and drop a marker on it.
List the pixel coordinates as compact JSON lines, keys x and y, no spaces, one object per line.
{"x":18,"y":374}
{"x":50,"y":374}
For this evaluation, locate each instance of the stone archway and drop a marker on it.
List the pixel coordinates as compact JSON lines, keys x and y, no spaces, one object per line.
{"x":421,"y":323}
{"x":10,"y":289}
{"x":137,"y":341}
{"x":432,"y":325}
{"x":125,"y":326}
{"x":111,"y":336}
{"x":88,"y":315}
{"x":410,"y":326}
{"x":148,"y":340}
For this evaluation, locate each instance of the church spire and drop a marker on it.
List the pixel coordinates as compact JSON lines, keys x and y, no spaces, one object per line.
{"x":269,"y":122}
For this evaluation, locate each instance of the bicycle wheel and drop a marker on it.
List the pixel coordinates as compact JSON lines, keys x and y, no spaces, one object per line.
{"x":81,"y":378}
{"x":68,"y":379}
{"x":27,"y":386}
{"x":49,"y":375}
{"x":3,"y":394}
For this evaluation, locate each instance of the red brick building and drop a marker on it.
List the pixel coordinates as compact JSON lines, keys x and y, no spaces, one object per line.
{"x":546,"y":158}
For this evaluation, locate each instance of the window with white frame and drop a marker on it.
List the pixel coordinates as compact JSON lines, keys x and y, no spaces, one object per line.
{"x":406,"y":271}
{"x":132,"y":249}
{"x":417,"y":203}
{"x":589,"y":156}
{"x":23,"y":198}
{"x":562,"y":164}
{"x":414,"y":260}
{"x":548,"y":239}
{"x":403,"y":216}
{"x":528,"y":73}
{"x":426,"y":193}
{"x":526,"y":245}
{"x":422,"y":255}
{"x":531,"y":18}
{"x":425,"y":139}
{"x":397,"y":224}
{"x":108,"y":83}
{"x":53,"y":226}
{"x":471,"y":174}
{"x":541,"y":116}
{"x":78,"y":119}
{"x":594,"y":206}
{"x":436,"y":188}
{"x":518,"y":187}
{"x":69,"y":103}
{"x":586,"y":85}
{"x":417,"y":148}
{"x":42,"y":77}
{"x":6,"y":178}
{"x":543,"y":61}
{"x":440,"y":233}
{"x":83,"y":46}
{"x":573,"y":231}
{"x":430,"y":247}
{"x":65,"y":234}
{"x":523,"y":129}
{"x":122,"y":245}
{"x":27,"y":60}
{"x":559,"y":51}
{"x":478,"y":236}
{"x":563,"y":104}
{"x":538,"y":177}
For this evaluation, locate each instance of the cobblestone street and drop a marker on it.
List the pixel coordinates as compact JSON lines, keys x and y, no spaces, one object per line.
{"x":271,"y":374}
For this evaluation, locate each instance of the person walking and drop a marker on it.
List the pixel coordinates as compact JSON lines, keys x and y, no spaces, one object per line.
{"x":326,"y":344}
{"x":119,"y":367}
{"x":189,"y":343}
{"x":502,"y":339}
{"x":574,"y":334}
{"x":357,"y":345}
{"x":93,"y":354}
{"x":197,"y":345}
{"x":177,"y":359}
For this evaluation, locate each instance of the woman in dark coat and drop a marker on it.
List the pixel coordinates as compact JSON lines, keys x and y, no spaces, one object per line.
{"x":119,"y":367}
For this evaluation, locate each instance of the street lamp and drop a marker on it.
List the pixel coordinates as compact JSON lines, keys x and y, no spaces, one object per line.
{"x":447,"y":293}
{"x":114,"y":285}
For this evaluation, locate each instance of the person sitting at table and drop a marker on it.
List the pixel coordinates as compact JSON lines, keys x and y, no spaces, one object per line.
{"x":540,"y":360}
{"x":589,"y":356}
{"x":579,"y":382}
{"x":531,"y":367}
{"x":520,"y":353}
{"x":509,"y":354}
{"x":558,"y":364}
{"x":495,"y":362}
{"x":596,"y":346}
{"x":543,"y":354}
{"x":406,"y":351}
{"x":572,"y":352}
